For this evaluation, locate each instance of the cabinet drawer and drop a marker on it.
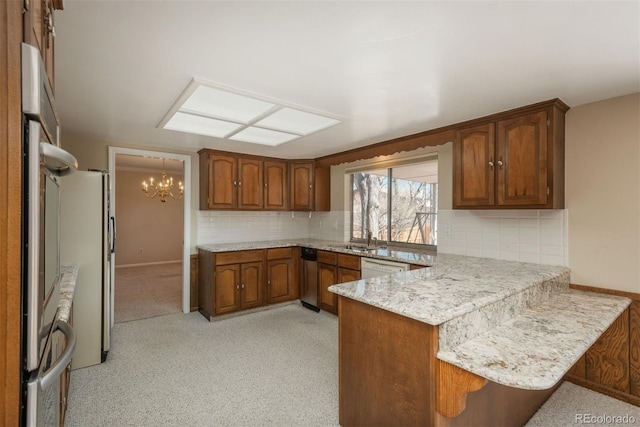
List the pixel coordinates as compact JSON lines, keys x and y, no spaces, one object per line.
{"x":279,"y":253}
{"x":238,"y":257}
{"x":349,"y":261}
{"x":327,"y":257}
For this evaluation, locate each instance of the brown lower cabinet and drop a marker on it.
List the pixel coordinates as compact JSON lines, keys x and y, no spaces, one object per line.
{"x":240,"y":280}
{"x":334,"y":268}
{"x":281,"y":273}
{"x":238,"y":286}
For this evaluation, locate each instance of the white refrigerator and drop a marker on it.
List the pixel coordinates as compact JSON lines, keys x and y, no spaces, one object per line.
{"x":87,"y":230}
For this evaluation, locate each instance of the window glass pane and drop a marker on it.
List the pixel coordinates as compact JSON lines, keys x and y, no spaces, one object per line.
{"x":369,"y":211}
{"x":415,"y":203}
{"x":413,"y":209}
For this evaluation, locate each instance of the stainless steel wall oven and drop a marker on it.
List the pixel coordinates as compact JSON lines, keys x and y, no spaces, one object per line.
{"x":42,"y":332}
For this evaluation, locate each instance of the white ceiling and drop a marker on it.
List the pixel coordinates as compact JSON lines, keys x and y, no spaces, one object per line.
{"x":390,"y":68}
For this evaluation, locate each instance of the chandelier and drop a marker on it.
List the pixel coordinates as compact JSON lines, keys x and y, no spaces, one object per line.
{"x":162,"y":189}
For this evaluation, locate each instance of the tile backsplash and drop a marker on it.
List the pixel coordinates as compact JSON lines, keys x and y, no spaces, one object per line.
{"x":538,"y":236}
{"x":242,"y":226}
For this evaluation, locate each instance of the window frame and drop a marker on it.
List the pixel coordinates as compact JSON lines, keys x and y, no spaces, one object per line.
{"x":389,"y":165}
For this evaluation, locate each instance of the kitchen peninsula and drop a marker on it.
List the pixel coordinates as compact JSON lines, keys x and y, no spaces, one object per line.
{"x":465,"y":341}
{"x":469,"y":341}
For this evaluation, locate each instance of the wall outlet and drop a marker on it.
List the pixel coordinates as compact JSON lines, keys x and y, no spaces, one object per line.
{"x":446,"y":230}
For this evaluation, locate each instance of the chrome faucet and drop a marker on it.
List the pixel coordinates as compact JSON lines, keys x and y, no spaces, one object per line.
{"x":368,"y":238}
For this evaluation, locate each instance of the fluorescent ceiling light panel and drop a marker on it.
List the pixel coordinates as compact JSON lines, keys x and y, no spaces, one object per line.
{"x":263,"y":136}
{"x":225,"y":105}
{"x":201,"y":125}
{"x":206,"y":109}
{"x":296,"y":121}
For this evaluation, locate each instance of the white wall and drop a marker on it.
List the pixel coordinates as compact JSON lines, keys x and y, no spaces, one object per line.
{"x":148,"y":229}
{"x":597,"y":236}
{"x":603,"y":193}
{"x":94,"y":155}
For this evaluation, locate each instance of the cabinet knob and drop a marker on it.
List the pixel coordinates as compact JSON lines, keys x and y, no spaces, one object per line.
{"x":239,"y":183}
{"x":237,"y":286}
{"x":491,"y":163}
{"x":242,"y":286}
{"x":235,"y":182}
{"x":500,"y":163}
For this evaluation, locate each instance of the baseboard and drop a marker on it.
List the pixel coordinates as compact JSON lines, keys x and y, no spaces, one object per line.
{"x":616,"y":394}
{"x":145,"y":264}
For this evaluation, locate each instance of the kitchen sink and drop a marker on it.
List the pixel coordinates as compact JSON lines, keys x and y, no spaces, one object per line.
{"x":360,"y":248}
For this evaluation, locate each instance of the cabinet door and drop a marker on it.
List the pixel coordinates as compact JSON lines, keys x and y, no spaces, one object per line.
{"x":280,"y":281}
{"x":522,"y":150}
{"x":249,"y":184}
{"x":251,"y":284}
{"x":222,"y":182}
{"x":275,"y":186}
{"x":347,"y":275}
{"x":327,"y":276}
{"x":227,"y":291}
{"x":474,"y":175}
{"x":302,"y":197}
{"x":38,"y":32}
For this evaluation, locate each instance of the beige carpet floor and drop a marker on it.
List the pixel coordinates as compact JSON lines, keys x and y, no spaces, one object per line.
{"x":277,"y":368}
{"x":147,"y":291}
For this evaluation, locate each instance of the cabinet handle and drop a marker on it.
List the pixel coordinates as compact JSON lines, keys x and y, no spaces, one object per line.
{"x":491,"y":163}
{"x":235,"y":182}
{"x":265,"y":185}
{"x":242,"y":286}
{"x":238,"y":287}
{"x":239,"y":183}
{"x":269,"y":282}
{"x":500,"y":163}
{"x":309,"y":185}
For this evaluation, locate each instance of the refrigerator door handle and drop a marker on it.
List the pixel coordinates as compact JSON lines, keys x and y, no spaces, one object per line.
{"x":53,"y":373}
{"x":112,"y":249}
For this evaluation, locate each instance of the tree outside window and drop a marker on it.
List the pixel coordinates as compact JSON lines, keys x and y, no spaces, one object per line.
{"x":397,"y":205}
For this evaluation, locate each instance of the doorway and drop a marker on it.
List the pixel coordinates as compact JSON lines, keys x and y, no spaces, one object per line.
{"x":152,"y":260}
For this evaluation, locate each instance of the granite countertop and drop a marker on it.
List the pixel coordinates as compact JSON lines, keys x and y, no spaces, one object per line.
{"x":453,"y":286}
{"x":517,"y":324}
{"x":426,"y":258}
{"x":513,"y":323}
{"x":67,"y":288}
{"x":534,"y":349}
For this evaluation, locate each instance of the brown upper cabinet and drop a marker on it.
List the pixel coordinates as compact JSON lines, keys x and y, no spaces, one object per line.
{"x":511,"y":160}
{"x":240,"y":182}
{"x":39,"y":31}
{"x":276,"y":180}
{"x":230,"y":182}
{"x":302,"y":193}
{"x":250,"y":181}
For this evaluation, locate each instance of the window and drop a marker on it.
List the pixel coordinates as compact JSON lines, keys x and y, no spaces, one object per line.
{"x":397,"y":204}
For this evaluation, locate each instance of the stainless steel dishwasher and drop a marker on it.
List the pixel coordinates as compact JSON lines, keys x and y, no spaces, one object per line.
{"x":309,"y":288}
